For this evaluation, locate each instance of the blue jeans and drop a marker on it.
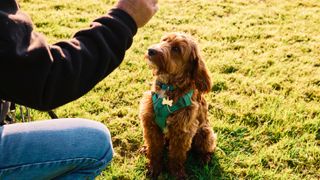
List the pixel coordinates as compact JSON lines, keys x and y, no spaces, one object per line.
{"x":54,"y":149}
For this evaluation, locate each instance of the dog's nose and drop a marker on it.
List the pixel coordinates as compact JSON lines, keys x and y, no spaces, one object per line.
{"x":152,"y":52}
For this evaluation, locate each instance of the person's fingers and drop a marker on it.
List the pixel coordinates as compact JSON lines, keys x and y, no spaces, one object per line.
{"x":155,"y":6}
{"x":154,"y":2}
{"x":140,"y":10}
{"x":155,"y":9}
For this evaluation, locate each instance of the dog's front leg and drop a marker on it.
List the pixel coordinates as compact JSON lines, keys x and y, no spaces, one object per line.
{"x":153,"y":137}
{"x":178,"y":148}
{"x":154,"y":141}
{"x":155,"y":148}
{"x":181,"y":133}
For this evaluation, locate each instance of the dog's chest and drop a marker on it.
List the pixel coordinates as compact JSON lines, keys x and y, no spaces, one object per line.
{"x":164,"y":108}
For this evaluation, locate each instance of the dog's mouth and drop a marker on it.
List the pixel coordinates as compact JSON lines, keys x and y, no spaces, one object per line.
{"x":150,"y":61}
{"x":155,"y":61}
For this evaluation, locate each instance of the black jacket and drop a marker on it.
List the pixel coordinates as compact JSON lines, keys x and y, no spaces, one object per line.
{"x":43,"y":76}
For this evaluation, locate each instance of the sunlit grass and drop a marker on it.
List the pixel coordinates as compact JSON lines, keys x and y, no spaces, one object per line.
{"x":264,"y":59}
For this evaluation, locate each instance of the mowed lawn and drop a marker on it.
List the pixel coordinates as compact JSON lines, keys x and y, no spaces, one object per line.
{"x":264,"y":59}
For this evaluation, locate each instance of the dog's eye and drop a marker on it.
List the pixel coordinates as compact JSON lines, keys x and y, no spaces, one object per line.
{"x":175,"y":49}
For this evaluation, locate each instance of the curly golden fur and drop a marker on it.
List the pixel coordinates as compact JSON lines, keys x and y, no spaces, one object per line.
{"x":176,"y":61}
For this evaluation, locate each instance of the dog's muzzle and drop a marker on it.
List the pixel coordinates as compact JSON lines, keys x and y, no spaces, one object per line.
{"x":152,"y":52}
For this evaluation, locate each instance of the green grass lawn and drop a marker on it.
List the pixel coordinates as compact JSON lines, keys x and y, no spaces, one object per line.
{"x":264,"y":59}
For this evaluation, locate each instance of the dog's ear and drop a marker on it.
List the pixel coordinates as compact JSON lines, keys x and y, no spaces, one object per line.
{"x":200,"y":72}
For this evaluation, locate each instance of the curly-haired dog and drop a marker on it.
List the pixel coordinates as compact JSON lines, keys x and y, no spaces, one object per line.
{"x":174,"y":112}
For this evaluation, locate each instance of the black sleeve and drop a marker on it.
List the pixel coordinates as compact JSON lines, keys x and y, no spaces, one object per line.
{"x":43,"y":76}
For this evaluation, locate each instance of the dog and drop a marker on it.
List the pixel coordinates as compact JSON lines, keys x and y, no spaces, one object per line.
{"x":174,"y":113}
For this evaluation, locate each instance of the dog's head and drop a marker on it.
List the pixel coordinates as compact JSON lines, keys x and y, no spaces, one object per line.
{"x":178,"y":55}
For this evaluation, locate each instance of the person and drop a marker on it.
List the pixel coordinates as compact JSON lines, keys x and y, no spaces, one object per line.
{"x":43,"y":77}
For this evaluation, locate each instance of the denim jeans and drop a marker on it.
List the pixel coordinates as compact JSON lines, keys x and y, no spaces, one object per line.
{"x":54,"y":149}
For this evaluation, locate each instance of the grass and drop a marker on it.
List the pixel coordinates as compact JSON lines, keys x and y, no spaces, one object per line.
{"x":264,"y":59}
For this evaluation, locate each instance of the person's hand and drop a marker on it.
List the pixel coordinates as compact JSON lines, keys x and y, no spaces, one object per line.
{"x":140,"y":10}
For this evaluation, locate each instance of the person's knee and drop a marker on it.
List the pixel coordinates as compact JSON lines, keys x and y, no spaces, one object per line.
{"x":97,"y":139}
{"x":95,"y":143}
{"x":105,"y":142}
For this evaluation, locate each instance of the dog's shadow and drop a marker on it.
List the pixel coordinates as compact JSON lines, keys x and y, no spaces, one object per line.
{"x":197,"y":171}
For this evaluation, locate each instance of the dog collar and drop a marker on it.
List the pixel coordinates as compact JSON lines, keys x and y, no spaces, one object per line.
{"x":162,"y":111}
{"x":165,"y":86}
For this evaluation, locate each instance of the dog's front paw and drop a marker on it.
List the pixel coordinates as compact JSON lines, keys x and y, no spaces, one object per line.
{"x":206,"y":158}
{"x":180,"y":175}
{"x":154,"y":171}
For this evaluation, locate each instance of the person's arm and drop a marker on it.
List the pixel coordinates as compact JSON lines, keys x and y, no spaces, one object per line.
{"x":44,"y":76}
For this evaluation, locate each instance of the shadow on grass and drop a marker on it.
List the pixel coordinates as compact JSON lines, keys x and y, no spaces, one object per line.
{"x":197,"y":171}
{"x":193,"y":167}
{"x":318,"y":135}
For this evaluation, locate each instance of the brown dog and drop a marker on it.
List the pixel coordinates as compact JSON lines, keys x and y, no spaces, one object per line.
{"x":174,"y":112}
